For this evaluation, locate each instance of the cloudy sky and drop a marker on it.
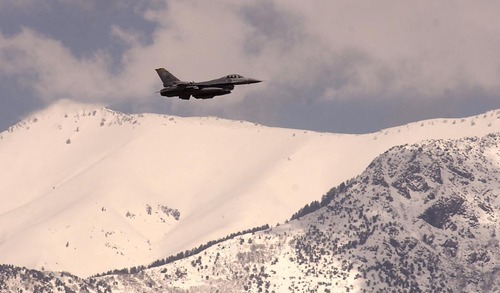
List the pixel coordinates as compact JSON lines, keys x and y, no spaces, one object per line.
{"x":327,"y":65}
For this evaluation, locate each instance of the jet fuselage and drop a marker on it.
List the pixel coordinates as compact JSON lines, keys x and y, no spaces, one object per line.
{"x":173,"y":87}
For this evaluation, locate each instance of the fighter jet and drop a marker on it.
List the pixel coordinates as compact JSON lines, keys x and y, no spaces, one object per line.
{"x":173,"y":87}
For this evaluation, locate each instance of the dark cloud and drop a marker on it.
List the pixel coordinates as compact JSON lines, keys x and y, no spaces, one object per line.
{"x":271,"y":27}
{"x":84,"y":27}
{"x":369,"y":114}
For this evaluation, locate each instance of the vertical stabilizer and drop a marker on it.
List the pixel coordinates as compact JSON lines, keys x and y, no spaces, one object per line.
{"x":167,"y":77}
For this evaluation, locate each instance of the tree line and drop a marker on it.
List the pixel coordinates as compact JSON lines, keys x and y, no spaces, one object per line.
{"x":183,"y":254}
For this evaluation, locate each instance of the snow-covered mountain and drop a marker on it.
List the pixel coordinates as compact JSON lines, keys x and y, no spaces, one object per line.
{"x":86,"y":190}
{"x":421,"y":218}
{"x":424,"y":217}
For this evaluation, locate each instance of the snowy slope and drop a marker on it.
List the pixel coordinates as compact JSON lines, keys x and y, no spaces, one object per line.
{"x":85,"y":189}
{"x":420,"y":218}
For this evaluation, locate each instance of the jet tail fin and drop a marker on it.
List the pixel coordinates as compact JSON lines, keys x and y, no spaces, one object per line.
{"x":167,"y":77}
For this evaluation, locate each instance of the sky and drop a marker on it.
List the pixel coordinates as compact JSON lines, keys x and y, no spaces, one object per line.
{"x":326,"y":65}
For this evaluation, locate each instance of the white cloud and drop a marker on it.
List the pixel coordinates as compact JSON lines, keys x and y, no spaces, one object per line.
{"x":128,"y":37}
{"x":50,"y":68}
{"x":425,"y":45}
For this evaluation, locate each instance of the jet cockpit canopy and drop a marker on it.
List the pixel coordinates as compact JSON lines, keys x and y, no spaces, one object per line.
{"x":234,"y":76}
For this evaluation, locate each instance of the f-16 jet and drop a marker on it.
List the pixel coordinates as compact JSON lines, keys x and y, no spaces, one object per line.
{"x":173,"y":87}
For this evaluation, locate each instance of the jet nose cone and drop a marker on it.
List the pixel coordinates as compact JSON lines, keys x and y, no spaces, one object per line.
{"x":253,"y":80}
